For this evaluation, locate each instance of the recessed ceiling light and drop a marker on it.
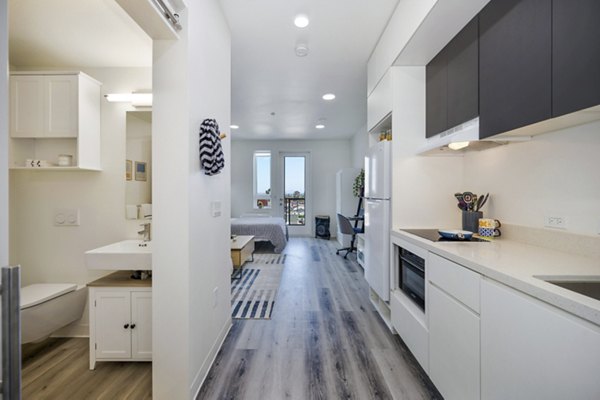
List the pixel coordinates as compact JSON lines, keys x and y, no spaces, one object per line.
{"x":329,"y":96}
{"x":234,"y":126}
{"x":320,"y":126}
{"x":301,"y":21}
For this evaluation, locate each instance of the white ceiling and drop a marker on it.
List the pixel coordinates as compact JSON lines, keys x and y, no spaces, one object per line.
{"x":267,"y":76}
{"x":68,"y":33}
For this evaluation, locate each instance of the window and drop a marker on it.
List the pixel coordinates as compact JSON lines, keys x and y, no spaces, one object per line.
{"x":262,"y":179}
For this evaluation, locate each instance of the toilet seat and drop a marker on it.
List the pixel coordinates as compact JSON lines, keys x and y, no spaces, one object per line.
{"x":38,"y":293}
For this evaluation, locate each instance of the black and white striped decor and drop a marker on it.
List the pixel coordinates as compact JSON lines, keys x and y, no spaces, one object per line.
{"x":253,"y":295}
{"x":212,"y":160}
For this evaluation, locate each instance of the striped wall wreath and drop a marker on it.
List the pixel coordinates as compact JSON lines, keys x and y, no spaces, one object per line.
{"x":212,"y":160}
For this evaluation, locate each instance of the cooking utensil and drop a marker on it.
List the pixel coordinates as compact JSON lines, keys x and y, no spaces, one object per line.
{"x":479,"y":202}
{"x":455,"y":234}
{"x":468,"y":199}
{"x":483,"y":202}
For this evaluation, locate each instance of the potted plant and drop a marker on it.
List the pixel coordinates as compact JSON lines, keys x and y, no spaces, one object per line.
{"x":358,"y":188}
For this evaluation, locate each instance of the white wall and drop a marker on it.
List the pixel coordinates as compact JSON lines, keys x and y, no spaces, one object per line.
{"x":327,"y":157}
{"x":554,"y":174}
{"x":359,"y":145}
{"x":423,"y":187}
{"x":4,"y":189}
{"x":191,"y":288}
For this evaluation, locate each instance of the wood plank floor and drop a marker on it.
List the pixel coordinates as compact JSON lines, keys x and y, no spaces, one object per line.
{"x":59,"y":369}
{"x":324,"y":341}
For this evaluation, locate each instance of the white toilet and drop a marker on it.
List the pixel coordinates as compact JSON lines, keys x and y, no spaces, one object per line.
{"x":47,"y":307}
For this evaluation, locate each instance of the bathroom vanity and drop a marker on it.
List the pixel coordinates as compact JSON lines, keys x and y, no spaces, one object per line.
{"x":120,"y":318}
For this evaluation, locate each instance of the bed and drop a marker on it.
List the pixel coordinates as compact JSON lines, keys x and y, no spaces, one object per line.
{"x":267,"y":228}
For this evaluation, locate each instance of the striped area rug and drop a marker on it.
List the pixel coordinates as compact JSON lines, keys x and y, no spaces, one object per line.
{"x":253,"y":295}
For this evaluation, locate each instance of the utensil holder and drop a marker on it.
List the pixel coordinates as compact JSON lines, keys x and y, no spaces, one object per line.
{"x":470,"y":220}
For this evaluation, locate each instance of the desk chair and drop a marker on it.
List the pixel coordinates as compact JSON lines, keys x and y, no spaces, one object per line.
{"x":347,"y":229}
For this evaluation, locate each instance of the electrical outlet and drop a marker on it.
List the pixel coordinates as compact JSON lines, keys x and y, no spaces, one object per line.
{"x":555,"y":221}
{"x":66,"y":217}
{"x":215,"y":297}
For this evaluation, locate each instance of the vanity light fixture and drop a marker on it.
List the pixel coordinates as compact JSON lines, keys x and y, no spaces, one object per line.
{"x":328,"y":96}
{"x":234,"y":126}
{"x":458,"y":145}
{"x":137,"y":99}
{"x":301,"y":21}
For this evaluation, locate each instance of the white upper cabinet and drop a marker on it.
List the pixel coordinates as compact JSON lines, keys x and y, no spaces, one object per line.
{"x":379,"y":102}
{"x":64,"y":106}
{"x":44,"y":106}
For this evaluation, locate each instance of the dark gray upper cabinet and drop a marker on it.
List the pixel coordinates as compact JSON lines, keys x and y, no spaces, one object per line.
{"x":436,"y":93}
{"x":452,"y":82}
{"x":575,"y":55}
{"x":463,"y":75}
{"x":515,"y":63}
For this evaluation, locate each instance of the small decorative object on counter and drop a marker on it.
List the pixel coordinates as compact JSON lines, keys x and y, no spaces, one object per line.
{"x":489,"y":227}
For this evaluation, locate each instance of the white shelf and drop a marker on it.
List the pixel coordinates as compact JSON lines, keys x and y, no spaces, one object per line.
{"x":56,"y":168}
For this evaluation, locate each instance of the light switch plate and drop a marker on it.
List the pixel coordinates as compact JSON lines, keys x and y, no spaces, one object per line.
{"x":66,"y":217}
{"x":215,"y":208}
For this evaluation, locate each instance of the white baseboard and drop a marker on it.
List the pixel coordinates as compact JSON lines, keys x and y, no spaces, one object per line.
{"x":210,"y":359}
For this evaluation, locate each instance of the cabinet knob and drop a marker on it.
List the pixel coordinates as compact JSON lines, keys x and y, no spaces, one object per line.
{"x":125,"y":326}
{"x":132,"y":326}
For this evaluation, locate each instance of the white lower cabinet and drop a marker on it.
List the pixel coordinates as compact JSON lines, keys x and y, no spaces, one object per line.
{"x":453,"y":347}
{"x":453,"y":311}
{"x":120,"y":324}
{"x":531,"y":350}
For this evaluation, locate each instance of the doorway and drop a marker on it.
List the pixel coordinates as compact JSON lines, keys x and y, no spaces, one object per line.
{"x":294,"y":192}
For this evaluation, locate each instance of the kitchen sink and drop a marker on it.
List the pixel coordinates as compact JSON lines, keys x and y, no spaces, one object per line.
{"x":589,"y":287}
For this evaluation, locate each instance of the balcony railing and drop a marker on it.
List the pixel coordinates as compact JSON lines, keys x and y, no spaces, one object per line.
{"x":294,"y":211}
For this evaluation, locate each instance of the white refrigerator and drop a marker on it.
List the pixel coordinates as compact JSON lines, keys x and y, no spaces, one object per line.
{"x":378,"y":188}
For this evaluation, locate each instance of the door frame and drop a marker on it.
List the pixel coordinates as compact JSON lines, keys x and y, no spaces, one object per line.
{"x":293,"y":230}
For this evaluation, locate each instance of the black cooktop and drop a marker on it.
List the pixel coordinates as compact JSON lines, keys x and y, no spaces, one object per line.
{"x":434,"y":236}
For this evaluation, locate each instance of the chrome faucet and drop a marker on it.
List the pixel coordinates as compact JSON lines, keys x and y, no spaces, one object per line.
{"x":146,"y":232}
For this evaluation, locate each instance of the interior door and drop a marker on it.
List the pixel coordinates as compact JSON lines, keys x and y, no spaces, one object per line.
{"x":294,"y":192}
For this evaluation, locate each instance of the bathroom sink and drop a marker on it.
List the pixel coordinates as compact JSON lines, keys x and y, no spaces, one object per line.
{"x":589,"y":287}
{"x":123,"y":255}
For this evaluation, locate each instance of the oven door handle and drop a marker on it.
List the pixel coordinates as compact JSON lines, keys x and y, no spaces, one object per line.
{"x":415,"y":266}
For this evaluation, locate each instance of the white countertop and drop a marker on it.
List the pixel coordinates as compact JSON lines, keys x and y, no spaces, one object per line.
{"x":517,"y":265}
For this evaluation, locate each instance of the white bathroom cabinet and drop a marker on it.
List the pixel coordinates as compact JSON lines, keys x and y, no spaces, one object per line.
{"x":53,"y":113}
{"x":120,"y":319}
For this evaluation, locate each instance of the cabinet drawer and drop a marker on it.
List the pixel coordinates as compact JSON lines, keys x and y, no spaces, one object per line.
{"x":454,"y":279}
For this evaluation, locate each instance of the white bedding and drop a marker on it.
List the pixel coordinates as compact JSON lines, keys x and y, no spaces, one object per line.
{"x":272,"y":229}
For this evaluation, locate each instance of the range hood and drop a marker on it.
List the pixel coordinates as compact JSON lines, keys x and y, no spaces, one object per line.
{"x":458,"y":140}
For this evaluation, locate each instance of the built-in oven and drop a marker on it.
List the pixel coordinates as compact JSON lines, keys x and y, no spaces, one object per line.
{"x":412,"y":277}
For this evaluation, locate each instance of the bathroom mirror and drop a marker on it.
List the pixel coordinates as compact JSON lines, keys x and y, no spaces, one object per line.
{"x":138,"y":163}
